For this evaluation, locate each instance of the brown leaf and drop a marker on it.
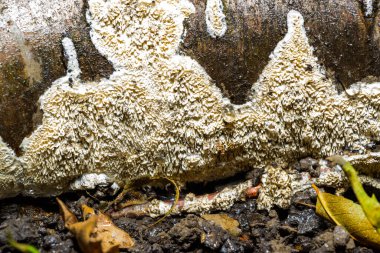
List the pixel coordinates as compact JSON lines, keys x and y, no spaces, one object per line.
{"x":111,"y":236}
{"x":68,"y":217}
{"x":83,"y":232}
{"x":97,"y":234}
{"x":224,"y":221}
{"x":349,"y":215}
{"x":87,"y":212}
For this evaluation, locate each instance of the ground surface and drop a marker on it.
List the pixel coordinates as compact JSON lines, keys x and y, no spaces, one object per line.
{"x":299,"y":229}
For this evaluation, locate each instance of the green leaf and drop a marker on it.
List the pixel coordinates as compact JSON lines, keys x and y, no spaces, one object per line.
{"x":349,"y":215}
{"x":370,"y":205}
{"x":22,"y":247}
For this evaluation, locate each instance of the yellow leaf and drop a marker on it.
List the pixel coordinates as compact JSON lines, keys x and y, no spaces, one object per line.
{"x":370,"y":205}
{"x":224,"y":221}
{"x":349,"y":215}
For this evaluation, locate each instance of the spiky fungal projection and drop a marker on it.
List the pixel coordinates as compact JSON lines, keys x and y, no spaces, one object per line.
{"x":159,"y":114}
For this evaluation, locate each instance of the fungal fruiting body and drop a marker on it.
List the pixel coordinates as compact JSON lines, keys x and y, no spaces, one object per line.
{"x":159,"y":114}
{"x":215,"y":18}
{"x":368,"y":7}
{"x":10,"y":172}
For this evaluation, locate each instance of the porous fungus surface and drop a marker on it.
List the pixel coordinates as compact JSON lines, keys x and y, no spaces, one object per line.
{"x":159,"y":114}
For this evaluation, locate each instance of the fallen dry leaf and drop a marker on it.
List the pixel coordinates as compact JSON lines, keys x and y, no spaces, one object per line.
{"x":83,"y":232}
{"x":111,"y":236}
{"x":68,"y":217}
{"x":349,"y":215}
{"x":224,"y":221}
{"x":87,"y":212}
{"x":97,"y":233}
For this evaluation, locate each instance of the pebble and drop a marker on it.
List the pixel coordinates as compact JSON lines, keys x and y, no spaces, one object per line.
{"x":231,"y":247}
{"x":308,"y":163}
{"x":326,"y":240}
{"x":350,"y":245}
{"x":303,"y":243}
{"x":51,"y":241}
{"x":341,"y":237}
{"x":307,"y":221}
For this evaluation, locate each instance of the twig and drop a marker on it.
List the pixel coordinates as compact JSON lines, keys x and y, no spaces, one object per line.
{"x":192,"y":204}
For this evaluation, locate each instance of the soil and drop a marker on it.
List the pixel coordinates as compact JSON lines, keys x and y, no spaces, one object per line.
{"x":298,"y":229}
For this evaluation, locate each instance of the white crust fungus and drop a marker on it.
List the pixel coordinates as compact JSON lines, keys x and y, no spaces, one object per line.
{"x":368,"y":7}
{"x":159,"y":114}
{"x":90,"y":181}
{"x":276,"y":189}
{"x":215,"y":18}
{"x":10,"y":172}
{"x":73,"y":70}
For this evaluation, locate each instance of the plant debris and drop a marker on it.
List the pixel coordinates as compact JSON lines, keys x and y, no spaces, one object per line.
{"x":370,"y":205}
{"x":224,"y":221}
{"x":97,"y":233}
{"x":298,"y":229}
{"x":346,"y":213}
{"x":22,"y":247}
{"x":361,"y":221}
{"x":221,"y":200}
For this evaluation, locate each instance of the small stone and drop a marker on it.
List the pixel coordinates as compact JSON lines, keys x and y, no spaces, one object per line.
{"x":303,"y":243}
{"x":306,"y":221}
{"x":42,"y":231}
{"x":327,"y":247}
{"x":279,"y":246}
{"x":230,"y":246}
{"x":157,"y":248}
{"x":258,"y":220}
{"x":212,"y":241}
{"x":362,"y":250}
{"x":273,"y":214}
{"x":257,"y":232}
{"x":325,"y":242}
{"x":350,"y":245}
{"x":307,"y":196}
{"x":341,"y":237}
{"x":51,"y":241}
{"x":308,"y":163}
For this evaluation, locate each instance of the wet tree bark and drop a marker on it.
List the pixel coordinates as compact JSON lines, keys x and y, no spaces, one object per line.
{"x":344,"y":34}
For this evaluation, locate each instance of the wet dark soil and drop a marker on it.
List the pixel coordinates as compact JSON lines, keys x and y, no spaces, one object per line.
{"x":298,"y":229}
